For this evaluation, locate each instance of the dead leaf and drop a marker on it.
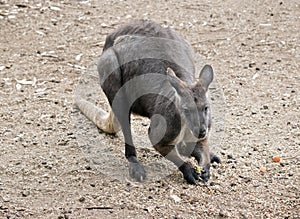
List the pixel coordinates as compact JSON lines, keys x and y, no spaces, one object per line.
{"x":54,"y":8}
{"x":26,"y":82}
{"x":77,"y":66}
{"x":50,"y":54}
{"x":175,"y":198}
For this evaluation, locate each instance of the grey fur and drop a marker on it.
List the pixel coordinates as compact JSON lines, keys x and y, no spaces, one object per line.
{"x":149,"y":70}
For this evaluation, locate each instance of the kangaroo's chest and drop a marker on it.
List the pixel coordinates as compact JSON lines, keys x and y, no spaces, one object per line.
{"x":185,"y":136}
{"x":185,"y":141}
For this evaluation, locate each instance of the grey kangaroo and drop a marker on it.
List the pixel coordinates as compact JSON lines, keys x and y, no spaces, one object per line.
{"x":148,"y":70}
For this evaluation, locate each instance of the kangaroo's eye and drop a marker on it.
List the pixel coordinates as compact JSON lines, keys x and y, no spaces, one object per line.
{"x":186,"y":110}
{"x":206,"y":109}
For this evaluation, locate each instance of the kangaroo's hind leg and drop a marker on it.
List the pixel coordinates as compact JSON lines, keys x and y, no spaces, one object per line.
{"x":122,"y":111}
{"x":105,"y":121}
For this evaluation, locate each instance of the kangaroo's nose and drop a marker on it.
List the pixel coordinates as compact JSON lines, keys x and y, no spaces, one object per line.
{"x":200,"y":133}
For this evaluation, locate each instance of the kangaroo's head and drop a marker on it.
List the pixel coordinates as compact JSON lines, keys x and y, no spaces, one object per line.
{"x":192,"y":101}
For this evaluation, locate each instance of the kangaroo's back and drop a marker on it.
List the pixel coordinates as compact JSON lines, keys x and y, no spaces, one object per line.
{"x":140,"y":48}
{"x":141,"y":28}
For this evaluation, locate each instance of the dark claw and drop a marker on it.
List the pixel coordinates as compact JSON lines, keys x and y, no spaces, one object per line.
{"x":196,"y":174}
{"x":205,"y":173}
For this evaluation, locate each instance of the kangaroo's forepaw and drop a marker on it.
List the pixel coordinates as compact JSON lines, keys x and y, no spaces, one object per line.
{"x":189,"y":173}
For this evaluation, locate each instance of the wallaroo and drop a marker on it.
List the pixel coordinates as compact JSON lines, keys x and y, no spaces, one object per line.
{"x":149,"y":70}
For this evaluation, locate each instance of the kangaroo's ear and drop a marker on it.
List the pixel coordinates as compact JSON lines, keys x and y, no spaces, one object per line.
{"x":206,"y":76}
{"x":172,"y":74}
{"x":168,"y":91}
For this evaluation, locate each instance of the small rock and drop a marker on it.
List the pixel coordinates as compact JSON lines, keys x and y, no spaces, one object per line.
{"x":212,"y":183}
{"x":229,"y":156}
{"x":232,"y":184}
{"x":78,"y":57}
{"x":251,"y":65}
{"x":262,"y":169}
{"x":191,"y":201}
{"x":5,"y":199}
{"x":282,"y":164}
{"x":223,"y":214}
{"x":81,"y":199}
{"x":25,"y":193}
{"x":18,"y":86}
{"x":276,"y":159}
{"x":104,"y":25}
{"x":256,"y":75}
{"x":265,"y":107}
{"x":63,"y":142}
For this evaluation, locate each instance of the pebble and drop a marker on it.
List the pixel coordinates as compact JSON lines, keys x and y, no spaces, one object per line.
{"x":104,"y":25}
{"x":25,"y":193}
{"x":229,"y":156}
{"x":212,"y":183}
{"x":223,"y":214}
{"x":276,"y":159}
{"x":262,"y":169}
{"x":265,"y":107}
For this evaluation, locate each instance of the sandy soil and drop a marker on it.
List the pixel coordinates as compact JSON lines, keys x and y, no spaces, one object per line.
{"x":46,"y":171}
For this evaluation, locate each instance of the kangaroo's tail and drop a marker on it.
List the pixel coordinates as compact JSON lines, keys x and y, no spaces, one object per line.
{"x":105,"y":121}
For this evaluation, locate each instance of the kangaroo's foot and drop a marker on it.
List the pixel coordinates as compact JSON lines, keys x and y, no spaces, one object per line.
{"x":136,"y":170}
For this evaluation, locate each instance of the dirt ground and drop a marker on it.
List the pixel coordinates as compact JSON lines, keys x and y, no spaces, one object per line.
{"x":48,"y":47}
